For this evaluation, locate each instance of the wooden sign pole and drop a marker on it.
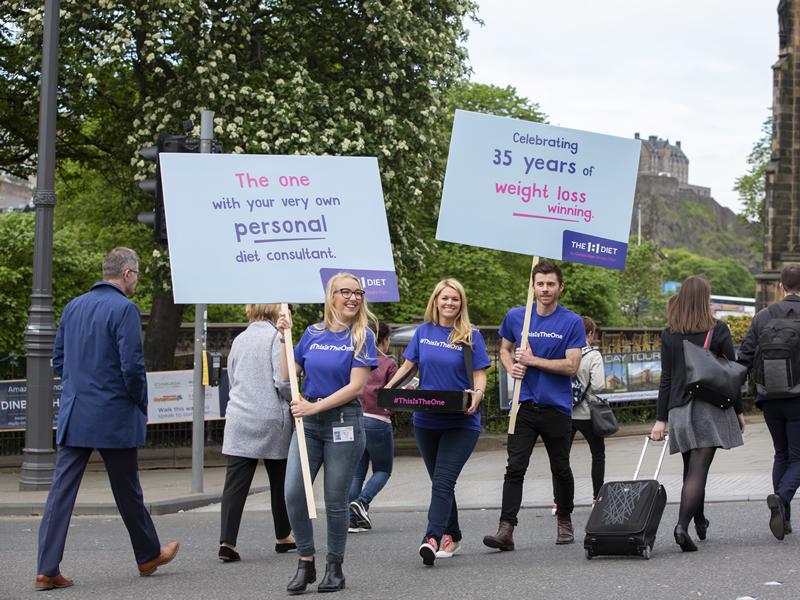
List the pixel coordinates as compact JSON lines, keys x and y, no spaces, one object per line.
{"x":288,"y":347}
{"x":526,"y":323}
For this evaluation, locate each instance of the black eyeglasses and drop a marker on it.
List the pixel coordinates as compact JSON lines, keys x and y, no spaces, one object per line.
{"x":347,"y":292}
{"x":133,"y":271}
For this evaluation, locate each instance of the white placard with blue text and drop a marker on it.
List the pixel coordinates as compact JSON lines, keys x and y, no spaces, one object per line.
{"x":256,"y":228}
{"x":539,"y":190}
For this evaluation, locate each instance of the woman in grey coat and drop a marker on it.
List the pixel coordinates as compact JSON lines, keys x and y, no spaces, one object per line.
{"x":591,"y":375}
{"x":258,"y":426}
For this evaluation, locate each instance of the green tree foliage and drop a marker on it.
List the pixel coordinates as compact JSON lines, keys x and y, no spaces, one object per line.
{"x":593,"y":292}
{"x":320,"y":77}
{"x":76,"y":266}
{"x":494,"y":100}
{"x":95,"y":208}
{"x":739,"y":327}
{"x":726,"y":276}
{"x":494,"y":281}
{"x":751,"y":185}
{"x":641,"y":300}
{"x":349,"y":77}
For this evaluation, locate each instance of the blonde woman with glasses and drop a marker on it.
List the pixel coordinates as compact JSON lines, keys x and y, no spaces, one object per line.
{"x":446,"y":441}
{"x":336,"y":357}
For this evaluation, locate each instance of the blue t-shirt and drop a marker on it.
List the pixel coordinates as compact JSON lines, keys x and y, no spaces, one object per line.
{"x":549,"y":337}
{"x":441,"y":366}
{"x":327,"y":357}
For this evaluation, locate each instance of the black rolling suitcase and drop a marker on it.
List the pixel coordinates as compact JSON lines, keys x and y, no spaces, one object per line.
{"x":625,"y":519}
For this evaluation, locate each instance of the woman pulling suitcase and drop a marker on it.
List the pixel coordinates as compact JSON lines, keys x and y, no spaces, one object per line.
{"x":696,"y":426}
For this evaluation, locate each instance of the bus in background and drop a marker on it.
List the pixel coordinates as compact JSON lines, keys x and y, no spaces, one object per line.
{"x":724,"y":306}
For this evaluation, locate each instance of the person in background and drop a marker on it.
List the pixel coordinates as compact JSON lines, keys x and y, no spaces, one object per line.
{"x":379,"y":450}
{"x":258,"y":426}
{"x":446,"y":440}
{"x":782,"y":415}
{"x":696,"y":427}
{"x":591,"y":377}
{"x":336,"y":357}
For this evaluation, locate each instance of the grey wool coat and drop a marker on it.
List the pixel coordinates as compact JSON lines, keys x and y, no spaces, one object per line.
{"x":258,"y":423}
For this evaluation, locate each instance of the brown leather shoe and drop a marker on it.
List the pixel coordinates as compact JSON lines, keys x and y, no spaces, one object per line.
{"x":503,"y":539}
{"x":168,"y":552}
{"x":564,"y":532}
{"x":46,"y":582}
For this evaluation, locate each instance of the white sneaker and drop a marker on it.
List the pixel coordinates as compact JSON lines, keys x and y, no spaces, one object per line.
{"x":353,"y":529}
{"x":449,"y":547}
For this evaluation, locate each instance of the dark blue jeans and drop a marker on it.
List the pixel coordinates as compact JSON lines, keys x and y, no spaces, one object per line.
{"x":340,"y":460}
{"x":783,"y":420}
{"x":380,"y":452}
{"x":445,"y":451}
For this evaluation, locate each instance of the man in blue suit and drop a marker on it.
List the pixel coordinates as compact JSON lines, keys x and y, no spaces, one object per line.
{"x":98,"y":354}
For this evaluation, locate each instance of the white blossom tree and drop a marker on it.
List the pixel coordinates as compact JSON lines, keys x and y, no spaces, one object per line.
{"x":335,"y":77}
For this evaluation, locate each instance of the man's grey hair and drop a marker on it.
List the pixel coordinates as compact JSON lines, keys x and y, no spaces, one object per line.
{"x":117,"y":261}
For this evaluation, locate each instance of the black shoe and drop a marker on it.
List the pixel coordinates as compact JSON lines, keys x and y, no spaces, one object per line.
{"x":306,"y":573}
{"x":284,"y":547}
{"x":360,"y":511}
{"x":701,"y":527}
{"x":777,"y":519}
{"x":228,"y":554}
{"x":787,"y":526}
{"x":333,"y":581}
{"x":683,"y":540}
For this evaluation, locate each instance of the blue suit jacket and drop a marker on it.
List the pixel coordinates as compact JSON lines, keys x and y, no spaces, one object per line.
{"x":98,"y":353}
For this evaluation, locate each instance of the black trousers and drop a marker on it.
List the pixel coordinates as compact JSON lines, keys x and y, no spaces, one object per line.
{"x":783,"y":421}
{"x":238,"y":477}
{"x":597,"y":446}
{"x":555,"y":428}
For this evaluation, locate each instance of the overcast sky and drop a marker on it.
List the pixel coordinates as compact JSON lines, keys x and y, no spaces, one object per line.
{"x":698,"y":71}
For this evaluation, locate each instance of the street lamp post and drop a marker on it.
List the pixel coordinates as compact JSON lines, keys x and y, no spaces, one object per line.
{"x":38,"y":460}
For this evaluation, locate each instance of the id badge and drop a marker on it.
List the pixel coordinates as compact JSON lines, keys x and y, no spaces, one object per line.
{"x":343,"y":434}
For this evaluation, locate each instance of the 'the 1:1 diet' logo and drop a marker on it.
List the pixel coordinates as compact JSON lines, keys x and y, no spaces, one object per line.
{"x":380,"y":286}
{"x":593,"y":250}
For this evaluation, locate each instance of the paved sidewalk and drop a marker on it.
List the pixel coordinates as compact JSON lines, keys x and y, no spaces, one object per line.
{"x":740,"y":474}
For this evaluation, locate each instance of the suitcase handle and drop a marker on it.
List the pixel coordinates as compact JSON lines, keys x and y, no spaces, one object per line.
{"x":647,"y":440}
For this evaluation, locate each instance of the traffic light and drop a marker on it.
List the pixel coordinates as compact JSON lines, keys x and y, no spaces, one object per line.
{"x":166,"y":143}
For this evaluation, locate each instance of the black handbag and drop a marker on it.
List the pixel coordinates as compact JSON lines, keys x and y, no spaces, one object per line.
{"x":711,"y":378}
{"x":604,"y":423}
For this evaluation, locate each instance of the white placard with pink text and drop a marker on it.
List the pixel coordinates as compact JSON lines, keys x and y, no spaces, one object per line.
{"x":257,"y":228}
{"x":539,"y":190}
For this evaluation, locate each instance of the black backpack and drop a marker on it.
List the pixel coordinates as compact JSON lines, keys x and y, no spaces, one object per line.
{"x":578,"y":391}
{"x":777,"y":360}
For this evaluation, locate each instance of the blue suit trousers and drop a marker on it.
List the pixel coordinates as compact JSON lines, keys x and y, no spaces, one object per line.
{"x":123,"y":475}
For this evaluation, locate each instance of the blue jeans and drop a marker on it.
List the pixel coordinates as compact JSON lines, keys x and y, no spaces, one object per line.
{"x":340,"y":460}
{"x":380,"y":451}
{"x":783,"y":421}
{"x":445,"y":451}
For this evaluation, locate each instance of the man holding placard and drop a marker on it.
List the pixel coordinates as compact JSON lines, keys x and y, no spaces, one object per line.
{"x":543,"y":368}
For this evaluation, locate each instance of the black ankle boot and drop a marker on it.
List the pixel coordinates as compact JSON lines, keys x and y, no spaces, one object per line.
{"x":306,"y":573}
{"x":333,"y":581}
